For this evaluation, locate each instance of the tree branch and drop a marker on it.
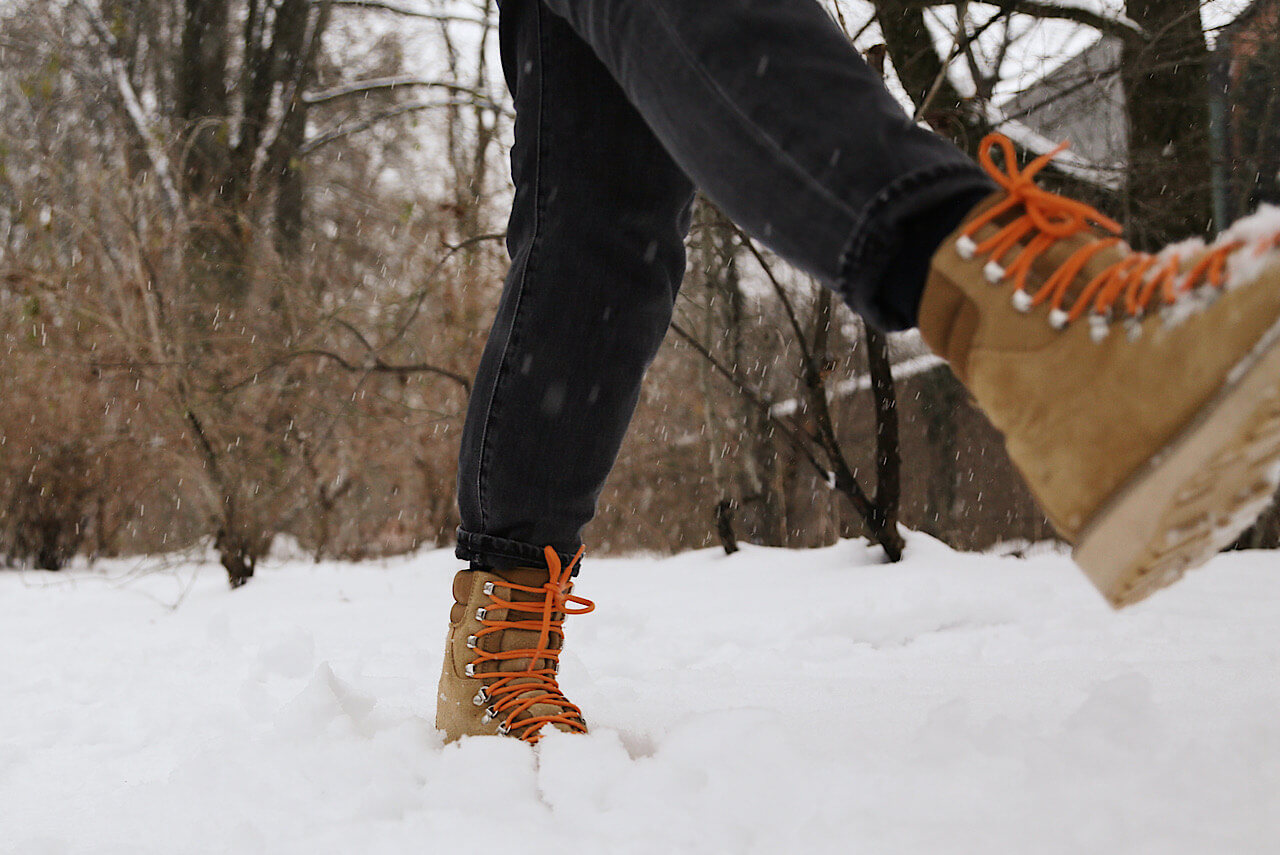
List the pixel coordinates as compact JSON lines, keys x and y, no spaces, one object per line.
{"x":373,"y":365}
{"x":841,"y":474}
{"x":137,"y":115}
{"x":387,"y":84}
{"x":421,"y":295}
{"x":841,"y":479}
{"x":397,"y":9}
{"x":1121,"y":28}
{"x":340,"y":131}
{"x":962,"y":41}
{"x":793,"y":434}
{"x":801,"y":341}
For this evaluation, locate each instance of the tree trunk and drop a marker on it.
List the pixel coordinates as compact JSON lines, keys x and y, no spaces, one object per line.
{"x":921,"y":72}
{"x":941,"y":397}
{"x":1167,"y":98}
{"x":301,"y":54}
{"x":888,"y":496}
{"x":238,"y":553}
{"x":202,"y":93}
{"x":724,"y":526}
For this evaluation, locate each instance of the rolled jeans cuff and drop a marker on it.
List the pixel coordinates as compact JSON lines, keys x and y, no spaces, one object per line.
{"x":499,"y":553}
{"x":884,"y":238}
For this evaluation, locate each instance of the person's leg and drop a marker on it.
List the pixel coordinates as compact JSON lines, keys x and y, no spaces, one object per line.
{"x":1149,"y":449}
{"x":772,"y":112}
{"x":596,"y":238}
{"x":768,"y":107}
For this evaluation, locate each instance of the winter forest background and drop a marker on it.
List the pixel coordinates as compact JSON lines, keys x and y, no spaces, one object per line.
{"x":249,"y":250}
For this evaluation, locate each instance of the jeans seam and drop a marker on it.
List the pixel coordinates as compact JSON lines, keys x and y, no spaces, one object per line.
{"x":745,"y":120}
{"x":535,"y":237}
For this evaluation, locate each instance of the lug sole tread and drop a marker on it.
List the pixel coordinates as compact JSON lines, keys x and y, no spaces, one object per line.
{"x":1194,"y":498}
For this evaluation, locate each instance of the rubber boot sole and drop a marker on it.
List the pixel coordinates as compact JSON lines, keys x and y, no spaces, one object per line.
{"x":1198,"y":494}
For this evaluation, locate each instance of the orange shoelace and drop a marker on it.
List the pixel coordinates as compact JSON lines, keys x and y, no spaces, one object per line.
{"x":513,"y":693}
{"x":1131,"y":283}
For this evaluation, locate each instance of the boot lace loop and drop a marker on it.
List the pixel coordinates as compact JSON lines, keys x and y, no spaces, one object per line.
{"x":514,"y":693}
{"x":1131,"y":283}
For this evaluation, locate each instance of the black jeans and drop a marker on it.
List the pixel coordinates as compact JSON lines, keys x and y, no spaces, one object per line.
{"x":622,"y":108}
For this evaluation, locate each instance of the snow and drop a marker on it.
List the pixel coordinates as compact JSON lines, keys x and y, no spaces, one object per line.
{"x":768,"y":702}
{"x":901,"y":371}
{"x":1260,"y":232}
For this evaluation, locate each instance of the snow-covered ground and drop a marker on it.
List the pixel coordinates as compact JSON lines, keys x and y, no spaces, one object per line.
{"x":768,"y":702}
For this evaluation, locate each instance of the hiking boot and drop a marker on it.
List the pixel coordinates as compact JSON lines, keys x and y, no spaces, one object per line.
{"x":1138,"y":394}
{"x":506,"y":630}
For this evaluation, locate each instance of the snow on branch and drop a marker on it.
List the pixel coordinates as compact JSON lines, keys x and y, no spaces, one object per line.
{"x":921,"y":364}
{"x":1108,"y":23}
{"x":142,"y":124}
{"x":387,"y":84}
{"x":407,"y":11}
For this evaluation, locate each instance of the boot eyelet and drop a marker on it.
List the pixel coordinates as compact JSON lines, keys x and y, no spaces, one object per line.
{"x":488,"y":588}
{"x":1099,"y":327}
{"x":1207,"y":295}
{"x":994,"y":272}
{"x":470,"y":670}
{"x":471,"y":642}
{"x":504,"y":729}
{"x":965,"y":247}
{"x":489,"y":715}
{"x":1058,"y":319}
{"x":481,"y":698}
{"x":1133,"y":328}
{"x":482,"y":613}
{"x":1022,"y":301}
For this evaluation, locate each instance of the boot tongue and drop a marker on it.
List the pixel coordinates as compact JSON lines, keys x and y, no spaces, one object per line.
{"x":530,"y":577}
{"x":525,"y":639}
{"x":1053,"y":258}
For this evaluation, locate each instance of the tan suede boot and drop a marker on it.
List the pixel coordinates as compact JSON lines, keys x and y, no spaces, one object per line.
{"x":506,"y":631}
{"x":1138,"y":394}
